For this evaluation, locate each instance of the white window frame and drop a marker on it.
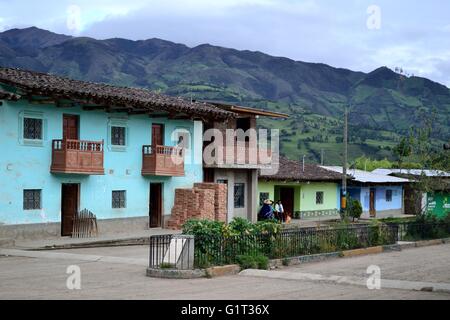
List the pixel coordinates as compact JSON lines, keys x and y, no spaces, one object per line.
{"x":32,"y":115}
{"x":123,"y":123}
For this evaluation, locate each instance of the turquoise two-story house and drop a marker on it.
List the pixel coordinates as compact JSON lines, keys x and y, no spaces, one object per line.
{"x":67,"y":145}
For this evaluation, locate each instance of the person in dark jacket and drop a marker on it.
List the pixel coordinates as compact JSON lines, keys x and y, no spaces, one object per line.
{"x":266,"y":211}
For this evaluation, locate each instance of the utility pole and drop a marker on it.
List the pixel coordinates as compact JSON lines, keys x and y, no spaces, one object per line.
{"x":321,"y":157}
{"x":344,"y":166}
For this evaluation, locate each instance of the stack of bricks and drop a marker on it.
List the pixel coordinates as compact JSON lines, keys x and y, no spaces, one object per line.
{"x":204,"y":201}
{"x":220,"y":199}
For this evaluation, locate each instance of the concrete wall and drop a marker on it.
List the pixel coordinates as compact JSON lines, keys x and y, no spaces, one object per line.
{"x":247,"y":177}
{"x":24,"y":166}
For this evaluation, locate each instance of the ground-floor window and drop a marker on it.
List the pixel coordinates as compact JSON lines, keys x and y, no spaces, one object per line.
{"x":263,"y":196}
{"x":119,"y":199}
{"x":32,"y":199}
{"x":388,"y":195}
{"x":319,"y":197}
{"x":239,"y":195}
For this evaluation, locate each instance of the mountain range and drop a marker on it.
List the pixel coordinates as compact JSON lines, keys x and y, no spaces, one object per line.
{"x":383,"y":105}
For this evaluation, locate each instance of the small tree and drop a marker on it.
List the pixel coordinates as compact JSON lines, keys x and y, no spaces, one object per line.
{"x":403,"y":150}
{"x":354,"y":209}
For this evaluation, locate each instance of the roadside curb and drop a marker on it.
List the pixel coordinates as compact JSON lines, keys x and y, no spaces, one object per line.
{"x":95,"y":244}
{"x":176,"y":274}
{"x":221,"y":271}
{"x":7,"y":243}
{"x":229,"y":270}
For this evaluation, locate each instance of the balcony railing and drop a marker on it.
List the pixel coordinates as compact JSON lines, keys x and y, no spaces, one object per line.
{"x":162,"y":161}
{"x":242,"y":154}
{"x":77,"y":156}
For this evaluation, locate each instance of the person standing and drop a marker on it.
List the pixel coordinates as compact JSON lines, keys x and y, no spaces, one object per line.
{"x":279,"y":209}
{"x":266,"y":212}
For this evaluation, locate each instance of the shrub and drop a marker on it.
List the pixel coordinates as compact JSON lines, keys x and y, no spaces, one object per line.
{"x":346,"y":239}
{"x":326,"y":246}
{"x":262,"y":262}
{"x":240,"y":226}
{"x":204,"y":228}
{"x":354,"y":209}
{"x":246,"y":262}
{"x":253,"y":262}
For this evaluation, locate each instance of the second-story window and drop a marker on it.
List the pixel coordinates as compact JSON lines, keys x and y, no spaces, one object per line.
{"x":32,"y":128}
{"x":118,"y":136}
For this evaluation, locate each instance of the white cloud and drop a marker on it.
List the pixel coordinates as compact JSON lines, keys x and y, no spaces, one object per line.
{"x":412,"y":35}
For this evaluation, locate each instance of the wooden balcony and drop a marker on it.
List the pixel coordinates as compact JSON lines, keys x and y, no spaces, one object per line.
{"x":162,"y":161}
{"x":243,"y":155}
{"x":77,"y":157}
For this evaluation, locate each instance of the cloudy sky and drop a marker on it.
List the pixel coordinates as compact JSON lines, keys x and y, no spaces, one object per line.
{"x":357,"y":34}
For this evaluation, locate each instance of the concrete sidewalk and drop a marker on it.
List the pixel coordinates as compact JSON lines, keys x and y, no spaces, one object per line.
{"x":106,"y":240}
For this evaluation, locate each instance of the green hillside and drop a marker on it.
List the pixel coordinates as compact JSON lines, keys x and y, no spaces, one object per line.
{"x":383,"y":104}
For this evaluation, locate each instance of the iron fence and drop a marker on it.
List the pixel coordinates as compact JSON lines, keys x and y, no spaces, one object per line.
{"x":220,"y":250}
{"x":412,"y":231}
{"x":179,"y":252}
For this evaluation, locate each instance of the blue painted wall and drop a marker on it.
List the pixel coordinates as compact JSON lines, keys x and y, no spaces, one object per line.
{"x":28,"y":167}
{"x":363,"y":195}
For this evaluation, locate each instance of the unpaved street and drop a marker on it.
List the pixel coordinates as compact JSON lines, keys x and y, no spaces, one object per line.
{"x":119,"y":273}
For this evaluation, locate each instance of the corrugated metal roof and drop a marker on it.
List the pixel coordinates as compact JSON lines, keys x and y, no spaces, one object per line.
{"x":412,"y":172}
{"x":367,"y":177}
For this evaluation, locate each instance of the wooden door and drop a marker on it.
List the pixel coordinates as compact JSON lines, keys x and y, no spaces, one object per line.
{"x":155,"y":206}
{"x":372,"y":208}
{"x":69,"y":207}
{"x":287,"y":199}
{"x":70,"y":127}
{"x":208,"y":175}
{"x":157,"y":135}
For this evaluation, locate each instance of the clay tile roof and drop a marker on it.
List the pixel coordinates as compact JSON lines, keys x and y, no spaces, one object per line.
{"x":291,"y":170}
{"x":43,"y":84}
{"x":5,"y":95}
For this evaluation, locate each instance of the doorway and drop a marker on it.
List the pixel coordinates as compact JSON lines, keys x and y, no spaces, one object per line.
{"x":287,"y":199}
{"x":70,"y":127}
{"x":155,"y":206}
{"x":157,"y":135}
{"x":69,"y":207}
{"x":372,"y":209}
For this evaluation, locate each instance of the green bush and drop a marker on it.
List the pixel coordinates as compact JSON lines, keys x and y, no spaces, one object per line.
{"x":346,"y":239}
{"x":246,"y":262}
{"x":354,"y":209}
{"x":253,"y":262}
{"x":262,"y":262}
{"x":428,"y":226}
{"x":217,"y":243}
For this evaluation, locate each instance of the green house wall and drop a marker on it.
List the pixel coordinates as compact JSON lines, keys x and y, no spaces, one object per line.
{"x":304,"y":194}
